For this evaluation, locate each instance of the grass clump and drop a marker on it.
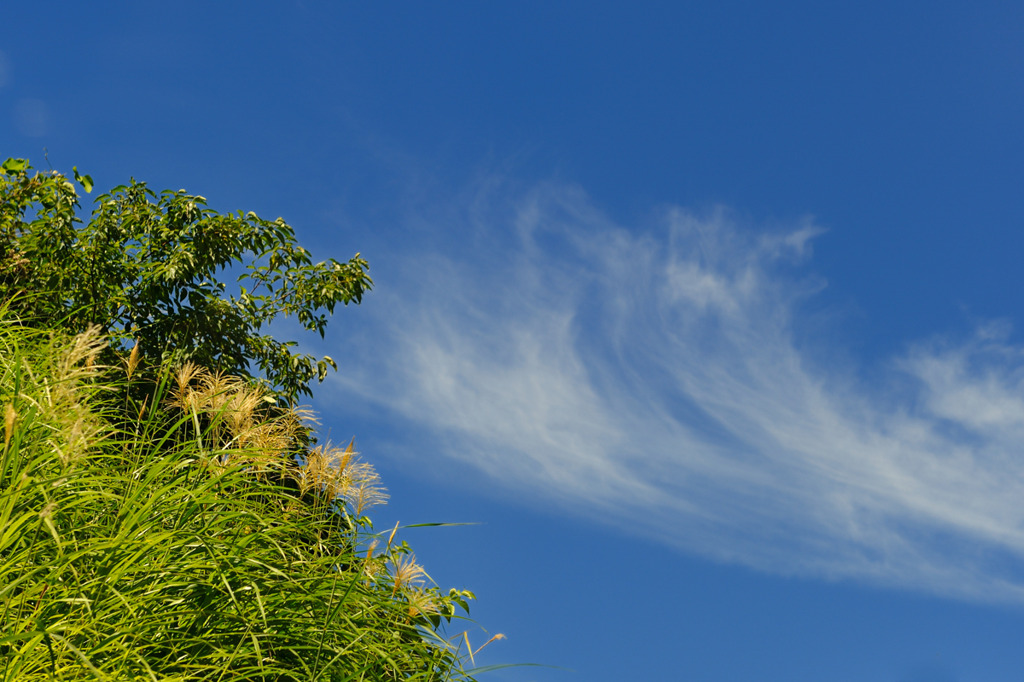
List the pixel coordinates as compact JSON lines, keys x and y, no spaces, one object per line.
{"x":185,"y":530}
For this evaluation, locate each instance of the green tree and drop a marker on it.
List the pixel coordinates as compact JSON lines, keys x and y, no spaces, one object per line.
{"x":155,"y":268}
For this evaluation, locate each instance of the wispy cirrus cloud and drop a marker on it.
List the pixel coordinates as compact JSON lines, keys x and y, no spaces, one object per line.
{"x":659,"y":373}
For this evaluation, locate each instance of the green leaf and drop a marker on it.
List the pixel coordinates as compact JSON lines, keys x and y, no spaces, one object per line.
{"x":12,"y":166}
{"x":84,"y":180}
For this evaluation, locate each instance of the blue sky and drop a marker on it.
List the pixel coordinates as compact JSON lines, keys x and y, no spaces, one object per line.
{"x":707,"y":313}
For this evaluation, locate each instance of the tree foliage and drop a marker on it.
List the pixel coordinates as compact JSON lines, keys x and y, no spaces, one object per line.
{"x":156,"y":268}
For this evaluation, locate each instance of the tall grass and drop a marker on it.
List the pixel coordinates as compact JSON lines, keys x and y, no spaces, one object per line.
{"x":182,"y":532}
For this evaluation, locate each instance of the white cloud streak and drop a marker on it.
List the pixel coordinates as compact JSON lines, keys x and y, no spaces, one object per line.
{"x":660,"y":375}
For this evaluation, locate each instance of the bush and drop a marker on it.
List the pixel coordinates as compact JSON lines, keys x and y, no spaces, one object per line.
{"x":164,"y":514}
{"x":194,"y":546}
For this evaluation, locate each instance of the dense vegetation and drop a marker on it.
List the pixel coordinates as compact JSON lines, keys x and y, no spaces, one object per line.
{"x":165,"y":511}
